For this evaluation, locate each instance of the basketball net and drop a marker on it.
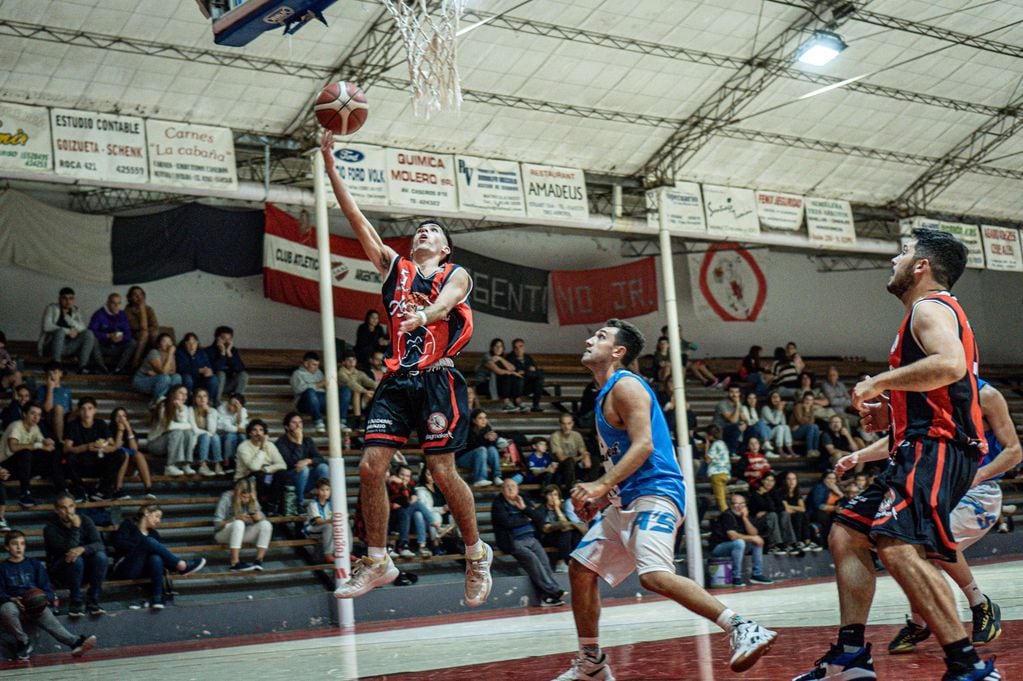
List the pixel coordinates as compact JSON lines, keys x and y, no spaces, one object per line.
{"x":432,"y":56}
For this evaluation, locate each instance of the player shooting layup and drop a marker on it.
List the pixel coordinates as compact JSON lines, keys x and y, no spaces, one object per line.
{"x":642,"y":493}
{"x":426,"y":298}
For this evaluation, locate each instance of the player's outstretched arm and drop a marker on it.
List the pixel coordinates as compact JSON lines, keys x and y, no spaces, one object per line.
{"x":996,"y":411}
{"x":455,"y":290}
{"x":875,"y":451}
{"x":379,"y":253}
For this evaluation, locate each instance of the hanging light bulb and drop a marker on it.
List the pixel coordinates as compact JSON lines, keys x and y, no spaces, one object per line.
{"x":821,"y":48}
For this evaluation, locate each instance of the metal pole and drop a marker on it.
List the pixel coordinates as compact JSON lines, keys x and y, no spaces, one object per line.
{"x":339,"y":493}
{"x":694,"y":549}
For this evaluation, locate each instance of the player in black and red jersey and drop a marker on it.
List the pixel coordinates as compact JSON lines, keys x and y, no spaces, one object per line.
{"x":933,"y":416}
{"x":426,"y":298}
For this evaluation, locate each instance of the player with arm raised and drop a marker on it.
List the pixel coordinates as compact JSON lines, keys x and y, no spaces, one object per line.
{"x":639,"y":505}
{"x":427,"y":302}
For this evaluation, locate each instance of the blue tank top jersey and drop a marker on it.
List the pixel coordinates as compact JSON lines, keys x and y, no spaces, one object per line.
{"x":659,"y":475}
{"x":994,"y":447}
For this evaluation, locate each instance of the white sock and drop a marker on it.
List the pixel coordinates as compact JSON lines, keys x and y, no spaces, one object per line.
{"x":474,"y":551}
{"x":973,"y":594}
{"x":589,"y":647}
{"x":918,"y":620}
{"x":377,"y":554}
{"x":728,"y":619}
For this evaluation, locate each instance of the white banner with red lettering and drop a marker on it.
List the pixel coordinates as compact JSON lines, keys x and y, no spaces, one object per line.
{"x":727,"y":284}
{"x":95,"y":146}
{"x":421,"y":179}
{"x":1001,"y":248}
{"x":780,"y":211}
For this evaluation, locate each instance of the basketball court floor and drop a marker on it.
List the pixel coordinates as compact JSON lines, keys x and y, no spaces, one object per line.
{"x":645,"y":638}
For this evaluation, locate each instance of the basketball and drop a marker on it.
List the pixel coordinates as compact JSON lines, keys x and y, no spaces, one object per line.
{"x":341,"y":108}
{"x":35,"y":601}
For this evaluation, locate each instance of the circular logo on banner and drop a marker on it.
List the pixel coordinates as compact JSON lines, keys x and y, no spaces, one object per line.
{"x":437,"y":423}
{"x":732,"y":283}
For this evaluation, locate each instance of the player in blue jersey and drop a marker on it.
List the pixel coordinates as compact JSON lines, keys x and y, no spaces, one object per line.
{"x":639,"y":505}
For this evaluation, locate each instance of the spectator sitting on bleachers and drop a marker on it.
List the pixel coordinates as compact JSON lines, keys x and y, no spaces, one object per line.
{"x":771,"y":520}
{"x":359,"y":385}
{"x":755,"y":426}
{"x":540,"y":468}
{"x":208,"y":447}
{"x":430,"y":496}
{"x":661,"y":367}
{"x":837,"y":394}
{"x":795,"y":506}
{"x":493,"y":373}
{"x":719,"y":465}
{"x":528,"y":378}
{"x":114,"y":342}
{"x":481,"y":453}
{"x":406,"y":511}
{"x":562,"y":529}
{"x":569,"y":449}
{"x":773,"y":415}
{"x":18,"y":575}
{"x":140,"y":553}
{"x":158,"y":372}
{"x":837,"y":441}
{"x":10,"y":374}
{"x":784,"y":377}
{"x":376,"y":369}
{"x":172,"y":432}
{"x":259,"y":457}
{"x":308,"y":386}
{"x":4,"y":475}
{"x":305,"y":465}
{"x":64,"y":332}
{"x":227,"y":363}
{"x":370,"y":337}
{"x":587,"y":403}
{"x":801,"y":421}
{"x":319,"y":517}
{"x":728,"y":417}
{"x":731,"y":534}
{"x":125,"y":440}
{"x":89,"y":451}
{"x":145,"y":327}
{"x":515,"y":521}
{"x":757,"y":465}
{"x":821,"y":504}
{"x":15,"y":408}
{"x":752,"y":371}
{"x":194,"y":367}
{"x":75,"y":555}
{"x":232,"y":417}
{"x":24,"y":452}
{"x":793,"y":354}
{"x":55,"y":400}
{"x":821,"y":411}
{"x":238,"y":520}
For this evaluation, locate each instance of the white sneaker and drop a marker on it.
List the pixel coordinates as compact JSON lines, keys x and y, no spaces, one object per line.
{"x":205,"y":470}
{"x":586,"y":669}
{"x":498,"y":481}
{"x":321,"y":427}
{"x":188,"y":470}
{"x":173,"y":471}
{"x":749,"y":641}
{"x":366,"y":576}
{"x":219,"y":470}
{"x":406,"y":553}
{"x":477,"y":578}
{"x":482,"y":483}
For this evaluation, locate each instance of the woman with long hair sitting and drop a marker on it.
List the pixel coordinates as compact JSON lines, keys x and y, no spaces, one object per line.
{"x":239,"y":520}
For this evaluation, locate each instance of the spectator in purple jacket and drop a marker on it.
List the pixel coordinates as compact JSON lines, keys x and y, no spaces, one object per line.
{"x":114,"y":342}
{"x":195,"y":368}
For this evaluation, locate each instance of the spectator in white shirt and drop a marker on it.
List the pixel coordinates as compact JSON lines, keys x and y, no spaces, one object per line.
{"x":173,"y":432}
{"x":260,"y":458}
{"x":65,"y":333}
{"x":232,"y":417}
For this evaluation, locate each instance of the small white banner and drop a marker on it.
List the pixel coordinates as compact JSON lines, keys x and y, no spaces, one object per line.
{"x":196,"y":156}
{"x":780,"y":211}
{"x":829,"y":223}
{"x":968,"y":234}
{"x":96,"y":146}
{"x":421,"y":179}
{"x":1001,"y":248}
{"x":553,"y":192}
{"x":301,"y":260}
{"x":489,"y":185}
{"x":25,"y":138}
{"x":364,"y":170}
{"x":681,"y":206}
{"x":730,"y":211}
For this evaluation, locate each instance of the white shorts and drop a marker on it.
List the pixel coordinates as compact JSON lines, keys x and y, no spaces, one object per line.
{"x":640,"y":537}
{"x":976,"y":513}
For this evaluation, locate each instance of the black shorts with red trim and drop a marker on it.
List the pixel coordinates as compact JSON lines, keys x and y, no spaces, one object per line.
{"x":912,"y":500}
{"x":434,"y":403}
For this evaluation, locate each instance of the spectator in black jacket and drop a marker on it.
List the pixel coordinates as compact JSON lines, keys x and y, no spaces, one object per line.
{"x":515,"y":521}
{"x":305,"y":465}
{"x":14,"y":411}
{"x":139,"y":551}
{"x":227,"y":364}
{"x":89,"y":451}
{"x":75,"y":555}
{"x":528,"y":379}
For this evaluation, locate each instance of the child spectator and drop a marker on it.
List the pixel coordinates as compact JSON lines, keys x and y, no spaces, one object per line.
{"x":793,"y":503}
{"x":18,"y":575}
{"x":227,"y":363}
{"x":232,"y":417}
{"x":259,"y":457}
{"x":406,"y":511}
{"x":140,"y":553}
{"x":172,"y":433}
{"x":75,"y":555}
{"x":158,"y":372}
{"x":55,"y":400}
{"x":90,"y":452}
{"x":124,"y":439}
{"x":480,"y":451}
{"x":773,"y":415}
{"x":719,"y":465}
{"x":319,"y":516}
{"x":539,"y":464}
{"x":430,"y":496}
{"x":194,"y":366}
{"x":238,"y":520}
{"x":562,"y":529}
{"x":208,"y":446}
{"x":300,"y":453}
{"x":25,"y":451}
{"x":801,"y":421}
{"x":145,"y":327}
{"x":757,"y":465}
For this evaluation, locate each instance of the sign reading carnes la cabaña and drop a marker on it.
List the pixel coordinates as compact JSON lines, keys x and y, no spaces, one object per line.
{"x":555,"y":193}
{"x":25,"y":138}
{"x":421,"y":179}
{"x":103,"y":147}
{"x":195,"y":156}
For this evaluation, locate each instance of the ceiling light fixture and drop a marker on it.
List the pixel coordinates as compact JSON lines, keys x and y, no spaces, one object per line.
{"x":821,"y":48}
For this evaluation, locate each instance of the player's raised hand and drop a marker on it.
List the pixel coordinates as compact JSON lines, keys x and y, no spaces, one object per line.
{"x":327,"y":148}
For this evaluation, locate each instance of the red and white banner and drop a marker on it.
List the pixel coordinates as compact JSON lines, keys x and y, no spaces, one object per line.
{"x":291,"y":268}
{"x":594,"y":296}
{"x":727,"y":284}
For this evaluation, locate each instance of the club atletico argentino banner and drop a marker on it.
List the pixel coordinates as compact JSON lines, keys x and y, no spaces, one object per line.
{"x":291,"y":268}
{"x":593,"y":296}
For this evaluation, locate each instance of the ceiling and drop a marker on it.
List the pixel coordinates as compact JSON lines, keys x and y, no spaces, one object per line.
{"x":650,"y":89}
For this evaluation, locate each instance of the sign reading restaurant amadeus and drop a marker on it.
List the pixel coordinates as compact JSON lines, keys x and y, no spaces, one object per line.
{"x":194,"y":156}
{"x":421,"y":179}
{"x":25,"y":138}
{"x":555,"y":193}
{"x":95,"y":146}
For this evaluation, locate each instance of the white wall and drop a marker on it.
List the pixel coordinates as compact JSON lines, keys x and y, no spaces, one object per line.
{"x":826,"y":314}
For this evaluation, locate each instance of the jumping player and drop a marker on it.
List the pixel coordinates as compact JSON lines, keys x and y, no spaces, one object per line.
{"x":640,"y":500}
{"x":937,"y":442}
{"x":426,"y":298}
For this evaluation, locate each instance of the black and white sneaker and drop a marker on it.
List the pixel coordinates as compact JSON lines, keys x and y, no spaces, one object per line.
{"x":83,"y":645}
{"x":27,"y":501}
{"x":749,"y":641}
{"x":193,"y":566}
{"x":95,"y":610}
{"x":76,"y":609}
{"x":586,"y":668}
{"x":23,"y":651}
{"x":761,"y":579}
{"x":839,"y":664}
{"x":257,"y":565}
{"x":242,"y":566}
{"x":551,"y":602}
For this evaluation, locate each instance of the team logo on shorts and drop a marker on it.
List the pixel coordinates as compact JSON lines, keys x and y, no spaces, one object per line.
{"x":437,"y":423}
{"x":887,"y":507}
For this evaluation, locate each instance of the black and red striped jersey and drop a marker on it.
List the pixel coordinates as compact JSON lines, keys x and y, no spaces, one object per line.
{"x":406,"y":290}
{"x":951,"y":412}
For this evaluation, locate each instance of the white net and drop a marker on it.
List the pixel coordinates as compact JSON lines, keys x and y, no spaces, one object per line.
{"x":432,"y":54}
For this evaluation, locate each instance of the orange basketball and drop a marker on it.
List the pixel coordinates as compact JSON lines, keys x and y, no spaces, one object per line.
{"x":341,"y":108}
